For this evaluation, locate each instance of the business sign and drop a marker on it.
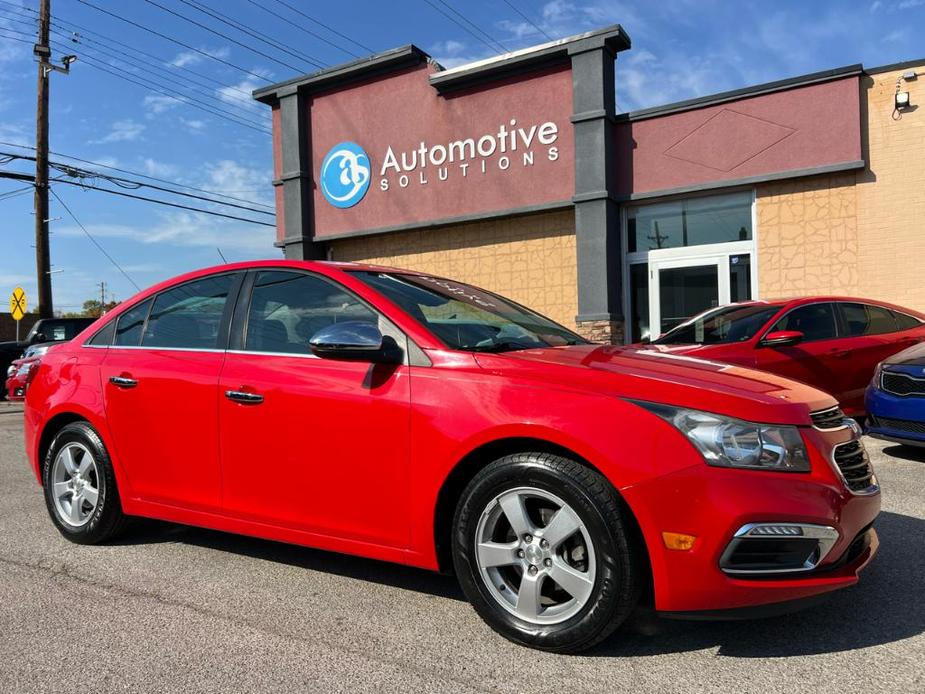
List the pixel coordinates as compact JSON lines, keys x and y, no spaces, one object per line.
{"x":344,"y":175}
{"x":396,"y":153}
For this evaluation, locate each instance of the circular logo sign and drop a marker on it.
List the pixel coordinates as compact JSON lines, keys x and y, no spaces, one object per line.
{"x":345,"y":174}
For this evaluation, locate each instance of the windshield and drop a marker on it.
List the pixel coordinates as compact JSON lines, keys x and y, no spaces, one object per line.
{"x":722,"y":325}
{"x":467,"y":318}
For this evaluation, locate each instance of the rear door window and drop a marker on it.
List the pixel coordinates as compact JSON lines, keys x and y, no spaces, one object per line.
{"x":815,"y":321}
{"x":130,"y":325}
{"x":905,"y":321}
{"x":189,"y":316}
{"x":867,"y":319}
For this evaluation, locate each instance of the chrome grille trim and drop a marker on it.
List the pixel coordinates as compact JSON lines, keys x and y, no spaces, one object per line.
{"x":901,"y":384}
{"x":829,"y":419}
{"x":849,"y":458}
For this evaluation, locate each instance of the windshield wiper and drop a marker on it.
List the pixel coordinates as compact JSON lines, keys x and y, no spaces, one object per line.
{"x":503,"y":346}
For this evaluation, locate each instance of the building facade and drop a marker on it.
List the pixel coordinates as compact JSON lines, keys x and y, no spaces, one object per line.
{"x":516,"y":174}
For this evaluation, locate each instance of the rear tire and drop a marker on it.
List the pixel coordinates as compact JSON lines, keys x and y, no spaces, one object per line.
{"x":542,"y":551}
{"x":80,"y":486}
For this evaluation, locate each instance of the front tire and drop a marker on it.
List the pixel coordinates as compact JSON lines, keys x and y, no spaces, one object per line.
{"x":80,"y":486}
{"x":542,"y":551}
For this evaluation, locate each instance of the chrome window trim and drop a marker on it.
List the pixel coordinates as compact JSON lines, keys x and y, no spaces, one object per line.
{"x":874,"y":487}
{"x":273,"y":354}
{"x":157,"y":349}
{"x":917,"y":393}
{"x":825,"y":534}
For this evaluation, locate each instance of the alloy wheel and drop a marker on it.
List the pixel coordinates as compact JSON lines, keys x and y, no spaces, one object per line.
{"x":75,"y":482}
{"x":535,"y":555}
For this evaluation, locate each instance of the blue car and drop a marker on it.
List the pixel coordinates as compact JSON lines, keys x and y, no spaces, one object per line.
{"x":895,"y":398}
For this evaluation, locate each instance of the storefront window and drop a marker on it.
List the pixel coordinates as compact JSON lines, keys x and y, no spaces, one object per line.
{"x":639,"y":301}
{"x":740,"y":277}
{"x":690,"y":222}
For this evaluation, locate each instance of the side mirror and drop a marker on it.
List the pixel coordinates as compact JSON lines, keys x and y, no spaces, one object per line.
{"x":38,"y":337}
{"x":355,"y":341}
{"x":782,"y":338}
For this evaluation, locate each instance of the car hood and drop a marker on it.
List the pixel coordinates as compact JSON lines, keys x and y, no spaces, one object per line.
{"x":670,"y":378}
{"x":913,"y":356}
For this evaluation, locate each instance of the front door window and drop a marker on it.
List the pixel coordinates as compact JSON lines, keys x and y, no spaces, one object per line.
{"x":684,"y":292}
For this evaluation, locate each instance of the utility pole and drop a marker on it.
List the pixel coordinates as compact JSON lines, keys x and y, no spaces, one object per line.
{"x":42,"y":51}
{"x":42,"y":251}
{"x":102,"y":297}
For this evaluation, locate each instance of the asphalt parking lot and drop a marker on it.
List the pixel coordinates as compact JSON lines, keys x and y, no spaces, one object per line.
{"x":179,"y":609}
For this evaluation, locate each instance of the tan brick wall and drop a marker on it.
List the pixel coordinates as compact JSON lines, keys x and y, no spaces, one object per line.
{"x":891,"y":196}
{"x":530,"y":259}
{"x":807,"y":237}
{"x":862,"y":233}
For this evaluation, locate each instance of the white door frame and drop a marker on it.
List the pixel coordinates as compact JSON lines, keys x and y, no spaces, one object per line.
{"x":657,"y":264}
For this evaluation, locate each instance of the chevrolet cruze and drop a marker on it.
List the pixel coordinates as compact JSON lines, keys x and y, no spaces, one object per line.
{"x":419,"y":420}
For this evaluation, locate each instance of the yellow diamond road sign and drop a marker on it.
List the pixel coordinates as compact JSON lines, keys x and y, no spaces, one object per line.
{"x":18,"y":303}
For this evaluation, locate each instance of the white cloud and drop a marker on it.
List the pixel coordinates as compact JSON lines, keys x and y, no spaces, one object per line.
{"x":187,"y":58}
{"x":15,"y":133}
{"x":230,"y":177}
{"x":152,"y":167}
{"x":186,"y":229}
{"x":876,"y":5}
{"x":156,"y":103}
{"x":909,"y":4}
{"x":126,"y":130}
{"x":240,"y":95}
{"x":194,"y":125}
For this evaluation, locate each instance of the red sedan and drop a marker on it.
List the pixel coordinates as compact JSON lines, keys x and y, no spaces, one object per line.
{"x":832,"y":343}
{"x":415,"y":419}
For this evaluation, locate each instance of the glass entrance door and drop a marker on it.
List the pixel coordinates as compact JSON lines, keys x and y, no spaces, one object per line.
{"x":680,"y":289}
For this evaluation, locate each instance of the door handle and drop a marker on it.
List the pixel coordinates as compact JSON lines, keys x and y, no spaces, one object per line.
{"x":244,"y":396}
{"x":123,"y":381}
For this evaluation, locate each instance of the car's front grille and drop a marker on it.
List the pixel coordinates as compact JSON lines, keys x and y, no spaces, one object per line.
{"x":854,"y":466}
{"x":898,"y":424}
{"x":832,"y":418}
{"x":901,"y":384}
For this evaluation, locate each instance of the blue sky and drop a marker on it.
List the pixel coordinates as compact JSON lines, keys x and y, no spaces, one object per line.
{"x":681,"y":49}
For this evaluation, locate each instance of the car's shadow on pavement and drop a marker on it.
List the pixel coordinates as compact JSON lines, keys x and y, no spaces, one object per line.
{"x":386,"y":573}
{"x":886,"y":606}
{"x":914,"y":454}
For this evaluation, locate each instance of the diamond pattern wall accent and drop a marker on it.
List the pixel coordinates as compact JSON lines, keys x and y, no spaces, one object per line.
{"x":743,"y":138}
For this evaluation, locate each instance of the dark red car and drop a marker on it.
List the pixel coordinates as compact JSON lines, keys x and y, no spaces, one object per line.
{"x":415,"y":419}
{"x":832,"y":343}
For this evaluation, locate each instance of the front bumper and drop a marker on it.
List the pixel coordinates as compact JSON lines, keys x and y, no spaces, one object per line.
{"x":714,"y":503}
{"x":896,"y":418}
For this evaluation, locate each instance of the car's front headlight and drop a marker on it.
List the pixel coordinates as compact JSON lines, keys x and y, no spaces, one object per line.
{"x":875,"y":381}
{"x":728,"y":442}
{"x":37,"y":351}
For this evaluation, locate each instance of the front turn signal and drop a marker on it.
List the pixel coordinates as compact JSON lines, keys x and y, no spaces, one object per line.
{"x":678,"y":541}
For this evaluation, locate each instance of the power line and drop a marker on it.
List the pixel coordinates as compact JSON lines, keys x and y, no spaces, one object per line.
{"x":322,"y":24}
{"x":140,"y":175}
{"x":225,"y":19}
{"x":26,"y":177}
{"x":75,"y":172}
{"x":164,"y":202}
{"x":182,"y":97}
{"x":309,"y":32}
{"x":77,"y":34}
{"x":233,"y":116}
{"x":528,"y":20}
{"x":93,"y":240}
{"x":16,"y":192}
{"x":224,"y":36}
{"x":145,"y":73}
{"x":176,"y":41}
{"x":490,"y":42}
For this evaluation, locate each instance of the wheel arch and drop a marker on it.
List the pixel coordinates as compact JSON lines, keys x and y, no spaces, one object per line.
{"x":477,"y":459}
{"x":51,"y":429}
